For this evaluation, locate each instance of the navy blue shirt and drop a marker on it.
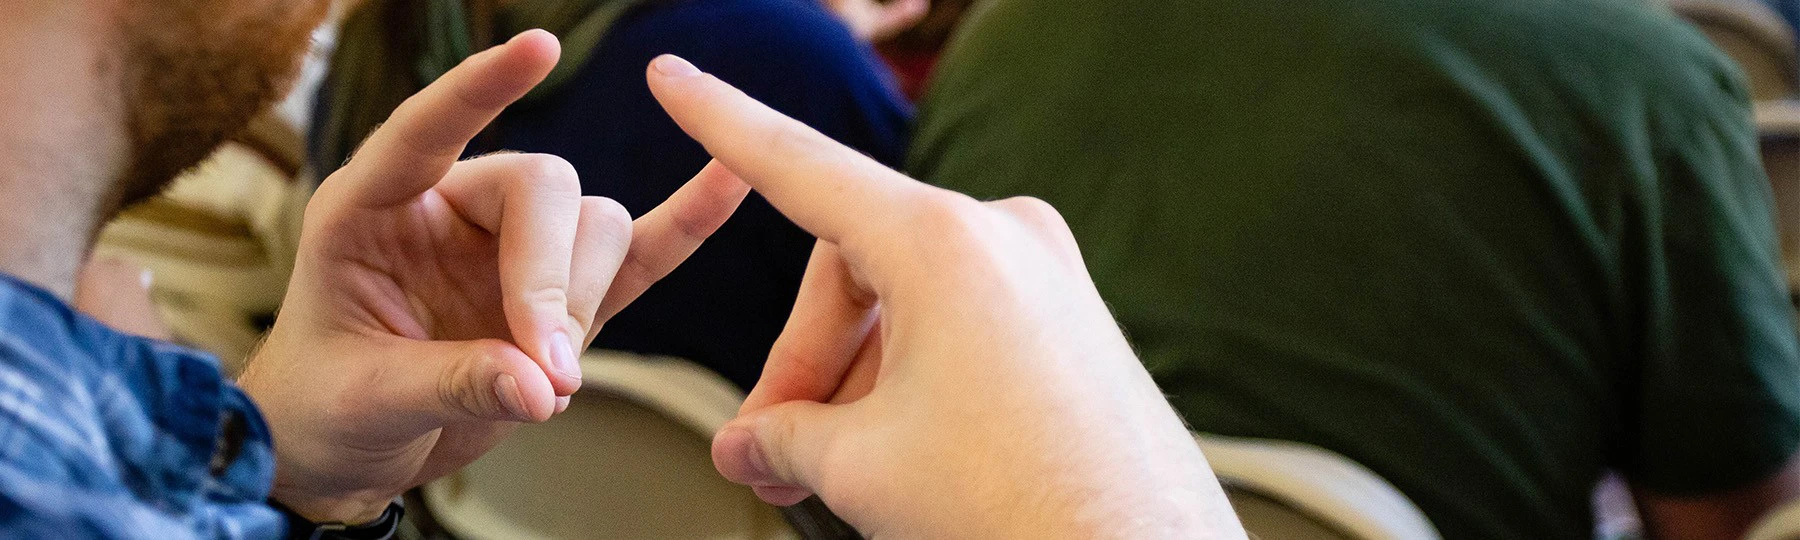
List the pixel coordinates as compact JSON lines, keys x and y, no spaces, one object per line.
{"x":105,"y":435}
{"x":725,"y":306}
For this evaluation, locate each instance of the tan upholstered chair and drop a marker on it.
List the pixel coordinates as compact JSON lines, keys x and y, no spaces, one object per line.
{"x":1753,"y":35}
{"x":1284,"y":490}
{"x":1762,"y":43}
{"x":220,"y":242}
{"x":1783,"y":523}
{"x":1778,"y":122}
{"x":630,"y":458}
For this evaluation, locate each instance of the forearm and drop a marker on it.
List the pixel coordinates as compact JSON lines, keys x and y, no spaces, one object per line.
{"x":1188,"y":512}
{"x":350,"y":510}
{"x":1149,"y":480}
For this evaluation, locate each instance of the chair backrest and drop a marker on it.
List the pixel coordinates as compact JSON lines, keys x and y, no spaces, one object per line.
{"x":1778,"y":124}
{"x":1763,"y":44}
{"x":1284,"y":490}
{"x":221,"y":240}
{"x":1782,"y":523}
{"x":630,"y":458}
{"x":1753,"y":35}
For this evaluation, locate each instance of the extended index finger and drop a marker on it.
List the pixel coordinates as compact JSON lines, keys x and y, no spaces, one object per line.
{"x":667,"y":235}
{"x":827,"y":188}
{"x":427,"y":133}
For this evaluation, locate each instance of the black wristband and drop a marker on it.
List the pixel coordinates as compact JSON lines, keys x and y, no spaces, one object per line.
{"x":383,"y":528}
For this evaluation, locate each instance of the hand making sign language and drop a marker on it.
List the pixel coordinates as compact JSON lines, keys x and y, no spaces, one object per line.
{"x":949,"y":369}
{"x":437,"y":302}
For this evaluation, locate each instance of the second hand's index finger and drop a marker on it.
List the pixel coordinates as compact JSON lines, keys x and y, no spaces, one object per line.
{"x":824,"y":187}
{"x":426,"y":135}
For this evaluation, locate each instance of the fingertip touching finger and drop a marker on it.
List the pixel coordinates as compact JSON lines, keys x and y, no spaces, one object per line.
{"x":602,"y":242}
{"x":462,"y":381}
{"x":533,"y":204}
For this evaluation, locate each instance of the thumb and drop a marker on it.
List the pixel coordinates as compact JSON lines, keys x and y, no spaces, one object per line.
{"x":779,"y":451}
{"x":485,"y":379}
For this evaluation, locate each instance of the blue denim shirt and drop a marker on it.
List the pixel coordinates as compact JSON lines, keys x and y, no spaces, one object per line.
{"x":114,"y":436}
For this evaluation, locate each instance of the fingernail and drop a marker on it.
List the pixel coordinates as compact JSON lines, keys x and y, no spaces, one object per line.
{"x":506,"y":388}
{"x":674,"y":66}
{"x":146,"y":278}
{"x":562,"y":404}
{"x":562,"y":355}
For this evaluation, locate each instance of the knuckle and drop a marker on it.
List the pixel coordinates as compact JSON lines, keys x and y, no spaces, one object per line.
{"x":1032,"y":210}
{"x":456,"y":389}
{"x":470,"y":97}
{"x":463,"y":388}
{"x":948,"y":216}
{"x":636,"y":272}
{"x":417,"y":141}
{"x":1038,"y":218}
{"x":583,"y":319}
{"x":548,"y":173}
{"x":547,"y":292}
{"x":607,"y":214}
{"x":607,"y":226}
{"x":779,"y":434}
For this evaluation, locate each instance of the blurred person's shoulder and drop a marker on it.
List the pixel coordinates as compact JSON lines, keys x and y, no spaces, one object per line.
{"x":792,"y":55}
{"x":1619,"y":50}
{"x":794,"y":39}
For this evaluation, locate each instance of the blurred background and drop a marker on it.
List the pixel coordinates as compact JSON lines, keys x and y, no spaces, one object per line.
{"x":630,"y":459}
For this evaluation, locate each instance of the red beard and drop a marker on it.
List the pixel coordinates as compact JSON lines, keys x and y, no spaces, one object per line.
{"x":196,"y":72}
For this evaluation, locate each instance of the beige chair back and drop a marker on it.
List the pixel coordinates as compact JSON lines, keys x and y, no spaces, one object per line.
{"x":630,"y":458}
{"x":1782,"y":523}
{"x":1284,"y":490}
{"x":1753,"y":35}
{"x":220,"y":241}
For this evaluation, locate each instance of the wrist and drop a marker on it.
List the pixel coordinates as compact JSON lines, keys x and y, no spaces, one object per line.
{"x":384,"y":527}
{"x":347,"y":510}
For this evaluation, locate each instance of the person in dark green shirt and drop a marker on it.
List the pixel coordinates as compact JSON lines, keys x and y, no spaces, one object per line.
{"x":1490,"y":249}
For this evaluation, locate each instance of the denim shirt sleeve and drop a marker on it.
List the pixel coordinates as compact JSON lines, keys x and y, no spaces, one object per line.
{"x":104,"y":435}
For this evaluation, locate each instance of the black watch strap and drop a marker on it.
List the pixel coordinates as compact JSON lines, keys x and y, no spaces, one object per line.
{"x":383,"y":528}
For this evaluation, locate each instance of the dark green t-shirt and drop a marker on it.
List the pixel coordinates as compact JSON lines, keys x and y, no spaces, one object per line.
{"x":1487,"y":248}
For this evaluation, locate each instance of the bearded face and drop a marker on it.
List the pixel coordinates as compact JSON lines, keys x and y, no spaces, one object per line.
{"x":196,"y":71}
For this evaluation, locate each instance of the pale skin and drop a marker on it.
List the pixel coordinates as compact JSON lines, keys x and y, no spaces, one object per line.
{"x":437,"y":303}
{"x":61,"y":150}
{"x":117,"y":293}
{"x":949,"y":369}
{"x":961,"y":378}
